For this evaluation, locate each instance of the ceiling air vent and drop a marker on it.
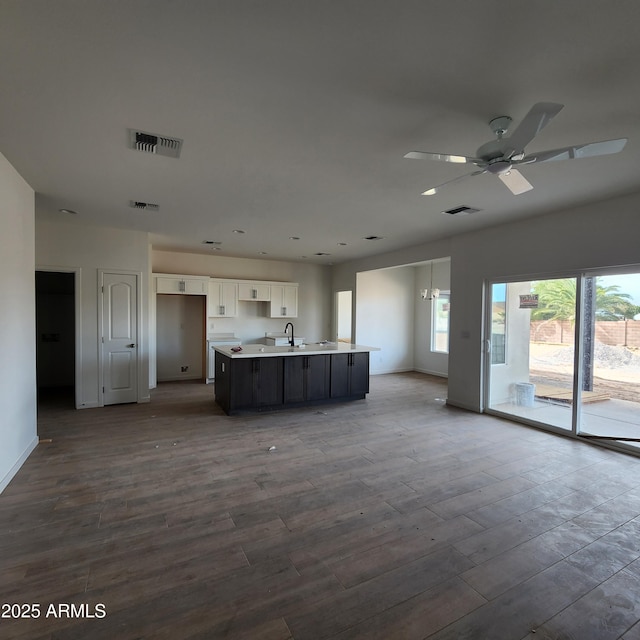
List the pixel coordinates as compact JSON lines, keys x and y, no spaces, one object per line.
{"x":144,"y":206}
{"x":461,"y":211}
{"x":155,"y":143}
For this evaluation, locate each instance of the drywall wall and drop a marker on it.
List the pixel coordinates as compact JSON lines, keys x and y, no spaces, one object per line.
{"x":385,"y":316}
{"x":253,"y":321}
{"x":91,"y":249}
{"x":18,"y":433}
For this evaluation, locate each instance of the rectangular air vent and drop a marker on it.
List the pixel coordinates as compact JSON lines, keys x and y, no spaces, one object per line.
{"x":155,"y":143}
{"x":461,"y":211}
{"x":144,"y":206}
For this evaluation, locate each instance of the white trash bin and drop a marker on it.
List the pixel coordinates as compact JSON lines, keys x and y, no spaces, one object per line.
{"x":525,"y":394}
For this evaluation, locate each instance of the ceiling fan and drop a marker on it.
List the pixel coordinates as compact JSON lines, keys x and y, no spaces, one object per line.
{"x":501,"y":156}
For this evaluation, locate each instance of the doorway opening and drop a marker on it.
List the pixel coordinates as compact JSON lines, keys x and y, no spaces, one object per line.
{"x":181,"y":337}
{"x":344,"y":301}
{"x":56,"y":338}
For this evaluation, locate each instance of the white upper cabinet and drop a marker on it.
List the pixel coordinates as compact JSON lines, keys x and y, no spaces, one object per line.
{"x":284,"y":301}
{"x":223,"y":299}
{"x":190,"y":285}
{"x":257,"y":291}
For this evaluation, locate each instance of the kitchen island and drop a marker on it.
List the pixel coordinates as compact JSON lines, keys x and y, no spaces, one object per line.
{"x":263,"y":378}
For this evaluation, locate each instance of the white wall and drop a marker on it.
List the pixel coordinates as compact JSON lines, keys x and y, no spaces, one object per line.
{"x":18,"y":433}
{"x":384,"y":317}
{"x":64,"y":245}
{"x":314,"y":293}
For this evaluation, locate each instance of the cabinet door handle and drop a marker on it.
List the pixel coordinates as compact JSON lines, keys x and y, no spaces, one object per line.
{"x":284,"y":311}
{"x":254,"y":293}
{"x":182,"y":286}
{"x":221,"y":309}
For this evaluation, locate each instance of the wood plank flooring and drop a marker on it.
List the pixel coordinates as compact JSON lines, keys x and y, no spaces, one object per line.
{"x":395,"y":517}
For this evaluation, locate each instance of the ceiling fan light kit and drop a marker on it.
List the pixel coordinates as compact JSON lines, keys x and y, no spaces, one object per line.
{"x":499,"y":157}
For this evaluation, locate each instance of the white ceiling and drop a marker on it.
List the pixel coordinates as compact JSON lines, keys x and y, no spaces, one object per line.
{"x":296,"y":114}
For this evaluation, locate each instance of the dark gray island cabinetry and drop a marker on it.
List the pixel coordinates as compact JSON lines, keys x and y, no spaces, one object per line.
{"x":265,"y":378}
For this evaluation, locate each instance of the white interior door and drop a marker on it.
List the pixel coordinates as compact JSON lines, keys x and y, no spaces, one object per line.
{"x":120,"y":337}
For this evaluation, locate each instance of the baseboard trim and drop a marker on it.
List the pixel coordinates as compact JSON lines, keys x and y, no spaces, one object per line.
{"x":439,"y":374}
{"x":16,"y":467}
{"x":386,"y":371}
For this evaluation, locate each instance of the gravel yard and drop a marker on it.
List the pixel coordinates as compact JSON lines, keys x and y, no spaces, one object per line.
{"x":616,"y":372}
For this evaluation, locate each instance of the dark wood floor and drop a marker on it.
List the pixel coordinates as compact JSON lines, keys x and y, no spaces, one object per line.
{"x":393,"y":517}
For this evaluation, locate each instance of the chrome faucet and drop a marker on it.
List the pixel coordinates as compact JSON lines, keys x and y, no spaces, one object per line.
{"x":291,"y":340}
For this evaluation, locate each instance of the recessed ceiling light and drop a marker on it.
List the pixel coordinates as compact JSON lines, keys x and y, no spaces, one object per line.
{"x":373,"y":238}
{"x":342,"y":244}
{"x":294,"y":238}
{"x":238,"y":231}
{"x":321,"y":253}
{"x":71,"y":211}
{"x":211,"y":242}
{"x":262,"y":253}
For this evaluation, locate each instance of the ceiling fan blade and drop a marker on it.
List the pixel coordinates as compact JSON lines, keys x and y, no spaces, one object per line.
{"x":515,"y":182}
{"x":539,"y":116}
{"x":606,"y":147}
{"x":433,"y":190}
{"x":443,"y":157}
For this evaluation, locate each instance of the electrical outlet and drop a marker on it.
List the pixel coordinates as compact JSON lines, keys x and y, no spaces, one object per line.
{"x":184,"y":369}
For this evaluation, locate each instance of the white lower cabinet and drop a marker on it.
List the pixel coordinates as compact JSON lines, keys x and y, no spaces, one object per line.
{"x":222,"y":299}
{"x":284,"y":301}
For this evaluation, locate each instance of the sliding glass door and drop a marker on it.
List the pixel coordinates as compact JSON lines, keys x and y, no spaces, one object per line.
{"x":531,"y":349}
{"x":564,"y":353}
{"x":610,"y":383}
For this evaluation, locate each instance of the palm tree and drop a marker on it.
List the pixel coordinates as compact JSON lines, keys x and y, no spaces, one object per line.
{"x":557,"y":301}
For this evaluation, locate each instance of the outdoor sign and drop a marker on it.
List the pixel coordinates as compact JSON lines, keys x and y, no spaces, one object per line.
{"x":529,"y":301}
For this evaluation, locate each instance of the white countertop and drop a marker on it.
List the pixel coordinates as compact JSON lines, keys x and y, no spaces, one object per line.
{"x":264,"y":351}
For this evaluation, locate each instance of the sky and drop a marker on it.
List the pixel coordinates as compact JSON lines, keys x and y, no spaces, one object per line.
{"x":628,"y":283}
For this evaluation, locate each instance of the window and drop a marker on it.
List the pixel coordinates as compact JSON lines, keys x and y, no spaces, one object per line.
{"x":498,"y":322}
{"x":440,"y":322}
